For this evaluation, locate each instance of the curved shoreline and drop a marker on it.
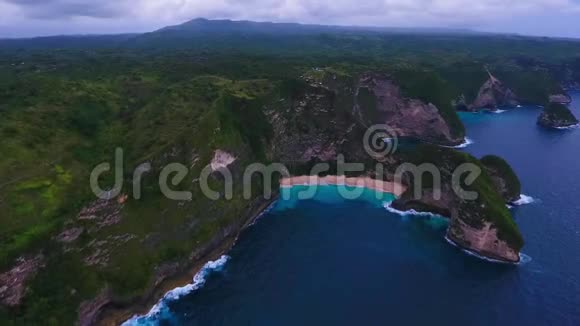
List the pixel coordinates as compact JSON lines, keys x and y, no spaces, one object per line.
{"x":392,"y":187}
{"x":112,"y":314}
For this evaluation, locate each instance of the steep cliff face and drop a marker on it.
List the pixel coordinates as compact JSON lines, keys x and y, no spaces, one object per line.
{"x":329,"y":114}
{"x":314,"y":124}
{"x":557,"y":115}
{"x":407,"y":117}
{"x":483,"y":241}
{"x":493,"y":94}
{"x":560,"y":98}
{"x":482,"y":224}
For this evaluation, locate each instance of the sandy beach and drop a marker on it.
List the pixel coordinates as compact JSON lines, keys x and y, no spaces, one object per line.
{"x":366,"y":182}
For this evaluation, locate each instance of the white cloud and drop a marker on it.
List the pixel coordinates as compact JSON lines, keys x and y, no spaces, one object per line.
{"x":129,"y":15}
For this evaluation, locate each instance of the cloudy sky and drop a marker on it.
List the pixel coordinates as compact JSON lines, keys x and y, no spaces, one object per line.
{"x":23,"y":18}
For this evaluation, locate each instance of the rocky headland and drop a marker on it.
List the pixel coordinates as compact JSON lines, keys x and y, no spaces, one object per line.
{"x":492,"y":95}
{"x":557,"y":115}
{"x":482,"y":225}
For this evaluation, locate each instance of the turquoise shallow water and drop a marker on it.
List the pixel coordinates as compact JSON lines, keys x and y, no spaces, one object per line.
{"x":333,"y":261}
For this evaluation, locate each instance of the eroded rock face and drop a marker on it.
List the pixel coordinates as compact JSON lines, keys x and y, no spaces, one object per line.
{"x":406,"y":117}
{"x":482,"y":240}
{"x":560,"y":98}
{"x":13,"y":283}
{"x":330,"y":117}
{"x":221,"y":160}
{"x":493,"y":94}
{"x":315,"y":125}
{"x":481,"y":224}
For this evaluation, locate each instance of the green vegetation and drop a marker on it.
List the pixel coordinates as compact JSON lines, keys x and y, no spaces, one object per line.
{"x":67,"y":103}
{"x":431,"y":88}
{"x":489,"y":205}
{"x":557,"y":115}
{"x":498,"y":167}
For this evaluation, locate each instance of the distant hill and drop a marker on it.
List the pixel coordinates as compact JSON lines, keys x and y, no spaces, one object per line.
{"x":291,"y":39}
{"x":202,"y":25}
{"x":209,"y":30}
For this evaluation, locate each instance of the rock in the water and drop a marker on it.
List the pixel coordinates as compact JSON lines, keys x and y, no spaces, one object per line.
{"x":557,"y":115}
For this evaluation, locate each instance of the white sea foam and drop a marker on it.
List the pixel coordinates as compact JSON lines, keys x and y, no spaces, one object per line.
{"x":524,"y":200}
{"x":388,"y":207}
{"x":466,"y":142}
{"x":265,"y":211}
{"x":160,"y":309}
{"x":523,"y":257}
{"x":498,"y":111}
{"x":569,"y":127}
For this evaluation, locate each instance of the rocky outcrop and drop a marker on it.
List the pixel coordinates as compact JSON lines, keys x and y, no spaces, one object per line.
{"x":560,"y":98}
{"x":557,"y":115}
{"x":330,"y":114}
{"x":480,"y":224}
{"x":493,"y":94}
{"x":483,"y":241}
{"x":406,"y":117}
{"x":313,"y":125}
{"x":221,"y":160}
{"x":13,"y":283}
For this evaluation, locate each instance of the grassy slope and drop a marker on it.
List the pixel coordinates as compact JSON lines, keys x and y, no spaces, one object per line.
{"x":504,"y":171}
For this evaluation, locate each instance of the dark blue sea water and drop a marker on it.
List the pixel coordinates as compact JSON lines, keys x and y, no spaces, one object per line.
{"x":329,"y":261}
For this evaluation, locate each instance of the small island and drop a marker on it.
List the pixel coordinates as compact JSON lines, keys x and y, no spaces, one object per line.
{"x":557,"y":115}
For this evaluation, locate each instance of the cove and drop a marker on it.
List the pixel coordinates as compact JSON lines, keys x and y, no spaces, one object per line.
{"x":332,"y":261}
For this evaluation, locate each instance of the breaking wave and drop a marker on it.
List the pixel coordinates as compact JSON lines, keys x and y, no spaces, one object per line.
{"x":569,"y":127}
{"x":465,"y":143}
{"x":524,"y":200}
{"x":161,"y":309}
{"x":388,"y":207}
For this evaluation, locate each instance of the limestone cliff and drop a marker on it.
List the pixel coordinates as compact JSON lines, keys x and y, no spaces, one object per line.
{"x":407,"y":117}
{"x":493,"y":94}
{"x":560,"y":98}
{"x":329,"y":114}
{"x":482,"y":224}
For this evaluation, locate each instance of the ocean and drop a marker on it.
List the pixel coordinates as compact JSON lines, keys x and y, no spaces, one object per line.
{"x":330,"y":261}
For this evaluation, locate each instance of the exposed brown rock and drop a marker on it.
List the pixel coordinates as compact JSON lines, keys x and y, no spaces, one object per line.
{"x":70,"y":235}
{"x":560,"y":98}
{"x":13,"y":283}
{"x":406,"y":117}
{"x":484,"y":241}
{"x":89,"y":310}
{"x":493,"y":94}
{"x":103,"y":212}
